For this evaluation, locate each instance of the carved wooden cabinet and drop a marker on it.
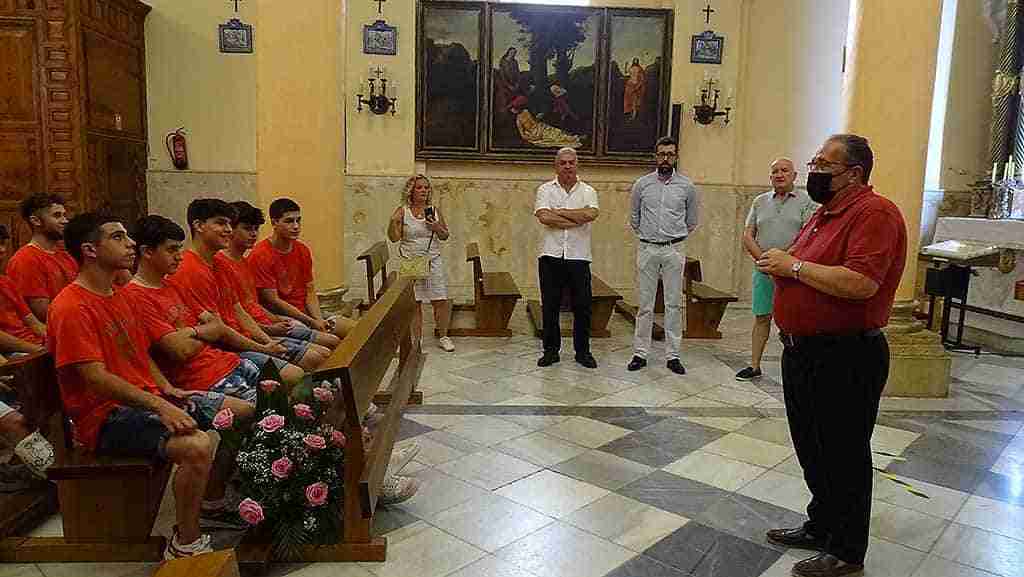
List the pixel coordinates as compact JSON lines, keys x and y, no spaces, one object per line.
{"x":73,"y":105}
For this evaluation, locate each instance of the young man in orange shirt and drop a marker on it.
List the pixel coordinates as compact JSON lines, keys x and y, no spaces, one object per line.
{"x":20,"y":333}
{"x":42,"y":267}
{"x":295,"y":336}
{"x":111,"y":389}
{"x":283,"y":268}
{"x":209,"y":221}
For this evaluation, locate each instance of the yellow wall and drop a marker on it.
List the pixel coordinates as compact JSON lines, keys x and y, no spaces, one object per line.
{"x":299,"y":55}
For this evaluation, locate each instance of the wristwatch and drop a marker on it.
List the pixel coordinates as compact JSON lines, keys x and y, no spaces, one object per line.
{"x":796,"y":269}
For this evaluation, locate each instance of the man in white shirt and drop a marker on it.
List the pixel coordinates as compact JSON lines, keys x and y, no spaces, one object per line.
{"x":565,"y":206}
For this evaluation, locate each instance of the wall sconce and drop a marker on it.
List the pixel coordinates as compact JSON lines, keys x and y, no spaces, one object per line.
{"x":705,"y":113}
{"x":378,"y":103}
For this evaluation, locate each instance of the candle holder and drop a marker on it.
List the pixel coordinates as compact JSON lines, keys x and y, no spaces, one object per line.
{"x":705,"y":113}
{"x":377,"y":103}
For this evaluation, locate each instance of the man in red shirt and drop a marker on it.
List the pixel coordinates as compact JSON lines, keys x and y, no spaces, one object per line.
{"x":283,"y":268}
{"x":197,"y":277}
{"x":118,"y":399}
{"x":306,"y":347}
{"x":42,"y":267}
{"x":834,"y":293}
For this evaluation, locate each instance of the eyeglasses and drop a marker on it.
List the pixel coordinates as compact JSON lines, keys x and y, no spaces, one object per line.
{"x":664,"y":155}
{"x":818,"y":164}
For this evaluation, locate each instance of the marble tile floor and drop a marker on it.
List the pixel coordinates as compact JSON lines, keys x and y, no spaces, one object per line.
{"x":570,"y":472}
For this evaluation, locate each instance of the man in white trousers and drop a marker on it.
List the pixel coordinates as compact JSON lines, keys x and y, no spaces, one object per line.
{"x":663,"y":213}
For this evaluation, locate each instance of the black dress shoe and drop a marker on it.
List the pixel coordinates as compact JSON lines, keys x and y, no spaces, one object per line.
{"x":676,"y":367}
{"x":548,"y":359}
{"x":636,"y":364}
{"x":587,"y":360}
{"x":796,"y":538}
{"x":826,"y":565}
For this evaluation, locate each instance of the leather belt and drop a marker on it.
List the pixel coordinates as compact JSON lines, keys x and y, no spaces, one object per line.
{"x":797,"y":341}
{"x":673,"y":241}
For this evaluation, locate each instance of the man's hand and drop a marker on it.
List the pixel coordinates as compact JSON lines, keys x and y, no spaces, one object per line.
{"x":776,"y":263}
{"x":274,"y":349}
{"x":175,"y":419}
{"x":211,"y":328}
{"x":320,"y":325}
{"x":176,"y":393}
{"x":278,"y":329}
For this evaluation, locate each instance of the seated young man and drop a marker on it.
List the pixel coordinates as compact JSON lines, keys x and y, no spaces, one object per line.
{"x":283,"y":268}
{"x":245,"y":230}
{"x":209,"y":221}
{"x":180,"y":344}
{"x":111,"y":389}
{"x":42,"y":267}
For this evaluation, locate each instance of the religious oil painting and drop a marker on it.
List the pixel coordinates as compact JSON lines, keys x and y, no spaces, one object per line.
{"x":637,"y":95}
{"x":515,"y":81}
{"x":543,"y":72}
{"x":449,"y":91}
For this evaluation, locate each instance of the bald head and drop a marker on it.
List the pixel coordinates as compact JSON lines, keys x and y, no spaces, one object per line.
{"x":783,"y":175}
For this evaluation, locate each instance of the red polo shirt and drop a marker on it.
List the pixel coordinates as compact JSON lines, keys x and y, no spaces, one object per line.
{"x":863,"y":232}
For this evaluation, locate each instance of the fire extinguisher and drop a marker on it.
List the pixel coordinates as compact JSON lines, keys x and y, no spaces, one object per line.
{"x":177,"y":148}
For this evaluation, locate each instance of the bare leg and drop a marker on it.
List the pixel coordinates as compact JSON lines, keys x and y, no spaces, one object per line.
{"x":314,"y":356}
{"x":442,"y":315}
{"x":328,"y":340}
{"x":759,"y":337}
{"x":291,"y":374}
{"x":14,"y":427}
{"x":192,"y":455}
{"x":224,"y":460}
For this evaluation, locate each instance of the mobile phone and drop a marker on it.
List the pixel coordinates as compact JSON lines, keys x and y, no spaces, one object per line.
{"x":429,"y":213}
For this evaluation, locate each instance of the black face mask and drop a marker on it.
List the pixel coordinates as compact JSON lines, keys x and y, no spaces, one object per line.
{"x":665,"y":170}
{"x":819,"y":187}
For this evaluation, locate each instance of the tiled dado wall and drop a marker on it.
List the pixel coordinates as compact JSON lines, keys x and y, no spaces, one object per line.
{"x":170,"y":192}
{"x":499,"y":215}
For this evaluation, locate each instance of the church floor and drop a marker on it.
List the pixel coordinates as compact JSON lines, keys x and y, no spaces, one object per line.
{"x":570,"y":472}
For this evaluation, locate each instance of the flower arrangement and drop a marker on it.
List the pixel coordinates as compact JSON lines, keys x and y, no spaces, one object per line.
{"x":290,"y":467}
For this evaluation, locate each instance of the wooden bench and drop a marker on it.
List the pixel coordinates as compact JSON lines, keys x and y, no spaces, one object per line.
{"x":108,"y":504}
{"x":704,"y":309}
{"x":362,"y":363}
{"x":376,"y":260}
{"x":603,"y":299}
{"x":494,"y":299}
{"x":216,"y":564}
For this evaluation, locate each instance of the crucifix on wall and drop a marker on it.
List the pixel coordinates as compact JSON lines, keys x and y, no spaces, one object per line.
{"x":380,"y":5}
{"x":708,"y":11}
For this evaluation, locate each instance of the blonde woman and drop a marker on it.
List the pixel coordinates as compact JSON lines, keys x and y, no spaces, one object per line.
{"x":420,"y":227}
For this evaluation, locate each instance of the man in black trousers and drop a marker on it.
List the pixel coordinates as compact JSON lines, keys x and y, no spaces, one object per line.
{"x":834,"y":293}
{"x":565,"y":206}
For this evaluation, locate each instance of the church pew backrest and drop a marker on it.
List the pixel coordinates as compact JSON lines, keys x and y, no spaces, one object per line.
{"x":376,"y":259}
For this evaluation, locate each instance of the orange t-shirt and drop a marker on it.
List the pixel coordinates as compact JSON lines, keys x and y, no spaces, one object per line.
{"x":200,"y":281}
{"x":162,"y":311}
{"x":13,"y":311}
{"x":41,"y":274}
{"x":239,"y":277}
{"x":290,"y":273}
{"x":83,"y":327}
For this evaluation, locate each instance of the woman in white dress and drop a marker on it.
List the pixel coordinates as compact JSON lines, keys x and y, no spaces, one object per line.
{"x":420,"y":227}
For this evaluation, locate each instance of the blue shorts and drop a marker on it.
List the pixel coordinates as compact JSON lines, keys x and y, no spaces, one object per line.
{"x":260,"y":359}
{"x":300,"y":331}
{"x":133,"y":432}
{"x":240,"y":383}
{"x":295,"y":348}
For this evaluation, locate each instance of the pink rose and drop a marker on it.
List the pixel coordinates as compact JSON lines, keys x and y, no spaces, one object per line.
{"x":316,"y":494}
{"x":304,"y":412}
{"x":269,"y":386}
{"x":224,"y":419}
{"x":338,"y":439}
{"x":323,"y":395}
{"x":315,"y":442}
{"x":271,"y":423}
{"x":251,"y":511}
{"x":281,"y":468}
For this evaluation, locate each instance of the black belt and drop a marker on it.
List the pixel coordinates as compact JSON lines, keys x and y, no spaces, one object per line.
{"x":673,"y":241}
{"x":797,"y":341}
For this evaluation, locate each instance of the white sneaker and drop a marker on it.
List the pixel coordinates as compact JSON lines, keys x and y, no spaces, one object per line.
{"x":36,"y":452}
{"x":373,"y":416}
{"x":446,"y":344}
{"x":401,"y":457}
{"x":175,"y":550}
{"x":396,"y":489}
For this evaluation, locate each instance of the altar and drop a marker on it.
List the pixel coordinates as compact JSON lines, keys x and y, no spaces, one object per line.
{"x":990,"y":288}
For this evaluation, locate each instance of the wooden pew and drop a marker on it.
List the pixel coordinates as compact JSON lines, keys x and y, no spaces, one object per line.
{"x":361,"y":363}
{"x":108,"y":504}
{"x":216,"y":564}
{"x":494,"y":299}
{"x":376,"y":260}
{"x":603,"y":299}
{"x":704,"y":309}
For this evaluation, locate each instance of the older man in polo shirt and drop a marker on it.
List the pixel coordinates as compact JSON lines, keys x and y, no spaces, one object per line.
{"x":775,"y":219}
{"x":834,"y":293}
{"x":663,"y":212}
{"x":565,"y":206}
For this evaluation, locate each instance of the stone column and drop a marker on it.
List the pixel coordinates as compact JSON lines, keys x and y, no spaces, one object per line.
{"x":887,"y":94}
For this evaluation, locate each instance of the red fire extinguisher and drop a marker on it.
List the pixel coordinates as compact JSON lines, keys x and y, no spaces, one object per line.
{"x":177,"y":148}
